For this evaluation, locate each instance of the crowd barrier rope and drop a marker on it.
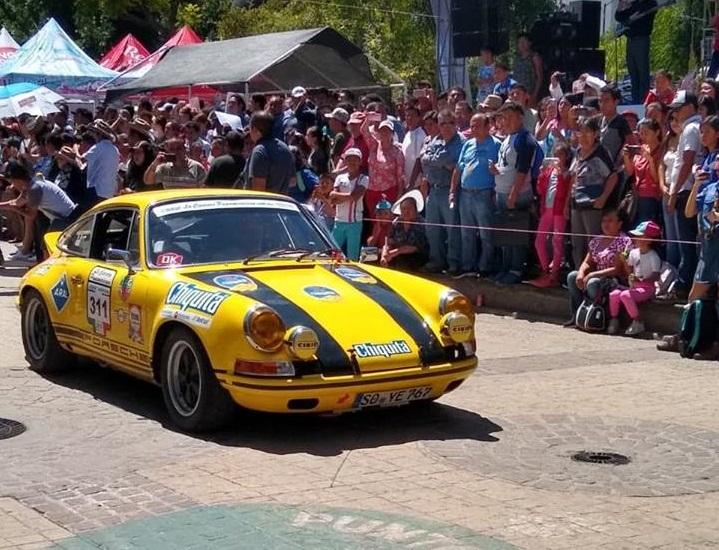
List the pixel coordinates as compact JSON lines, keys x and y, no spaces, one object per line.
{"x":529,"y":231}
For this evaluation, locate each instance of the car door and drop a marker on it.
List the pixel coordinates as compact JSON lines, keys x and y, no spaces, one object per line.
{"x":67,"y":290}
{"x":128,"y":331}
{"x":98,"y":288}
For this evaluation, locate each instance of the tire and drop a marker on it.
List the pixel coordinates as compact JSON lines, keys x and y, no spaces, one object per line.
{"x":42,"y":350}
{"x":193,"y":396}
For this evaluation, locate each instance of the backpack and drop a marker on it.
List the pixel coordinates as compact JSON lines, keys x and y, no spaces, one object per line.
{"x":591,"y":316}
{"x":698,"y":327}
{"x":665,"y":286}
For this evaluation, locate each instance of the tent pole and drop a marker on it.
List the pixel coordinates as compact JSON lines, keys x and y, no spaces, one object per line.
{"x":247,"y":93}
{"x":386,"y":68}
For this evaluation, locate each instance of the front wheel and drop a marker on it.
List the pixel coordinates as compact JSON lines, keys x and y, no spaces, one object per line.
{"x":193,"y":397}
{"x":42,"y":350}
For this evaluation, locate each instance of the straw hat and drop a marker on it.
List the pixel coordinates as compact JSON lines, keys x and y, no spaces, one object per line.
{"x":415,"y":195}
{"x":141,"y":126}
{"x":104,"y":129}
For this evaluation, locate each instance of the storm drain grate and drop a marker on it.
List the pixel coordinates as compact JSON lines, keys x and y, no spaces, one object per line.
{"x":10,"y":428}
{"x":595,"y":457}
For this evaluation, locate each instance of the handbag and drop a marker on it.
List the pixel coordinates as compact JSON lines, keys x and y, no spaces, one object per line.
{"x":628,"y":206}
{"x":516,"y":219}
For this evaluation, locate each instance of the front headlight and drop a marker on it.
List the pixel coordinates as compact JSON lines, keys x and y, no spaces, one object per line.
{"x":452,"y":300}
{"x":264,"y":329}
{"x":302,"y":342}
{"x":457,"y":327}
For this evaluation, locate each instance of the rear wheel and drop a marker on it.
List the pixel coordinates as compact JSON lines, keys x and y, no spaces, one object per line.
{"x":193,"y":396}
{"x":42,"y":350}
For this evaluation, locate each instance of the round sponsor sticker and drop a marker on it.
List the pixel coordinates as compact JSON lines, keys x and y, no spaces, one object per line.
{"x":322,"y":293}
{"x":355,"y":275}
{"x":235,"y":282}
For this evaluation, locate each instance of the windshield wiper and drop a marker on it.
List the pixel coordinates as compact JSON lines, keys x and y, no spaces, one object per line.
{"x":325,"y":252}
{"x":276,"y":253}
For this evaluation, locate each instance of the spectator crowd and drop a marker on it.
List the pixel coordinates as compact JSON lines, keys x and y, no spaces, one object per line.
{"x":552,"y":186}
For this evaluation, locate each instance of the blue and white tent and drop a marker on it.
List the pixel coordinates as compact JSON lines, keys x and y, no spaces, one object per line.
{"x":52,"y":59}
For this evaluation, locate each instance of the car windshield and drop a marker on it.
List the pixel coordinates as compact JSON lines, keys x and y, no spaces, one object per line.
{"x":221,"y":230}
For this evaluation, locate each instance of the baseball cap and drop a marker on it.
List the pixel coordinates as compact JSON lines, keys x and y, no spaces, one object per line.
{"x":647,"y":229}
{"x":386,"y":124}
{"x":384,"y":204}
{"x":298,"y":91}
{"x":682,"y":98}
{"x":340,"y":114}
{"x":352,"y":152}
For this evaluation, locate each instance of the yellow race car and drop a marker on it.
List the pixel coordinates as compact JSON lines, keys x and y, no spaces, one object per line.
{"x":236,"y":297}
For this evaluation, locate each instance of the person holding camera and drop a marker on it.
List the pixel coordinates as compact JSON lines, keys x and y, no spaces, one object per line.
{"x":642,"y":162}
{"x":173,"y":169}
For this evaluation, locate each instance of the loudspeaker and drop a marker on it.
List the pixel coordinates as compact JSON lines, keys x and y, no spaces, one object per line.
{"x":590,"y":22}
{"x":479,"y":23}
{"x":591,"y":61}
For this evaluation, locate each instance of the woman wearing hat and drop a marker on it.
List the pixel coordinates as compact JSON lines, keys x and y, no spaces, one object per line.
{"x":406,"y":246}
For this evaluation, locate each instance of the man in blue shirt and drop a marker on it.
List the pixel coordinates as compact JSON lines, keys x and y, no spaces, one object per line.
{"x":438,"y":162}
{"x":513,"y":178}
{"x":475,"y":194}
{"x":503,"y":81}
{"x":283,"y":119}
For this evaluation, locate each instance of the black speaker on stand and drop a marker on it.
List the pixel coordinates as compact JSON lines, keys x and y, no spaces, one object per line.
{"x":477,"y":24}
{"x":589,"y":13}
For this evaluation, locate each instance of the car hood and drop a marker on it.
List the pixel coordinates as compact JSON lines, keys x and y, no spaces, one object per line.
{"x":361,"y":322}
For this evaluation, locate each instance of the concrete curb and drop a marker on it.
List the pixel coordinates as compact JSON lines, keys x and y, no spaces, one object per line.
{"x":551,"y":303}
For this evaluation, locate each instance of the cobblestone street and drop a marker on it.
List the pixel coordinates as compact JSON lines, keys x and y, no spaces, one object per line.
{"x":487,"y":466}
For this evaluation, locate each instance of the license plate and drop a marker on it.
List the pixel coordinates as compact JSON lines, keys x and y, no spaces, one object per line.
{"x":392,"y":398}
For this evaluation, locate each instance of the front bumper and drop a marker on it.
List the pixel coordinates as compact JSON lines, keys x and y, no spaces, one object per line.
{"x":319,"y":394}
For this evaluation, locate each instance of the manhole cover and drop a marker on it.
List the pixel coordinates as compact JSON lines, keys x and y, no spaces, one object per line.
{"x":536,"y":450}
{"x":601,"y":458}
{"x":10,"y":428}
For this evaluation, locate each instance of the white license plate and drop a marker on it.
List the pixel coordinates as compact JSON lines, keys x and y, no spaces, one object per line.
{"x":392,"y":398}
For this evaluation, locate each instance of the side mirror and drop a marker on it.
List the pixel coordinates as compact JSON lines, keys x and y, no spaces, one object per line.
{"x":369,"y":254}
{"x":118,"y":255}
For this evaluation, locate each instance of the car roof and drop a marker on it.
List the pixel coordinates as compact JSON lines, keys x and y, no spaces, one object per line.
{"x":146,"y":199}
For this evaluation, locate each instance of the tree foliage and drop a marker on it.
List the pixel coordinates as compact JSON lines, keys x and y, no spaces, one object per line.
{"x":401,"y":41}
{"x":400,"y":34}
{"x":675,"y":42}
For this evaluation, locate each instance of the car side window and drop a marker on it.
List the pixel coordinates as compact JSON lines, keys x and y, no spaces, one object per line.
{"x":112,"y":230}
{"x":77,"y":240}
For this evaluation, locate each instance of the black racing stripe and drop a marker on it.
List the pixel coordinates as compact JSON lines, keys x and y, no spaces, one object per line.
{"x":332,"y":357}
{"x":430,"y":349}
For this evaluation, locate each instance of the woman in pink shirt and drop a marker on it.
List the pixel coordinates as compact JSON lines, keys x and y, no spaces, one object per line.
{"x":386,"y":166}
{"x":642,"y":162}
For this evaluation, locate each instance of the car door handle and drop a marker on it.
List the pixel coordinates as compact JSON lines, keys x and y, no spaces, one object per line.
{"x":77,"y":280}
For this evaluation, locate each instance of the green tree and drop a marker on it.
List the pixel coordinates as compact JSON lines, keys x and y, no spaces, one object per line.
{"x":675,"y":42}
{"x":401,"y":41}
{"x":400,"y":34}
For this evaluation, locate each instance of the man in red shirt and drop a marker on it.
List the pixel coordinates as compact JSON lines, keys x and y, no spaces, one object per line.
{"x":357,"y":140}
{"x":663,"y":92}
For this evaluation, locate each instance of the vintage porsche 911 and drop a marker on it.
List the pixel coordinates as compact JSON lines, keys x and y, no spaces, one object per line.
{"x":228,"y":298}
